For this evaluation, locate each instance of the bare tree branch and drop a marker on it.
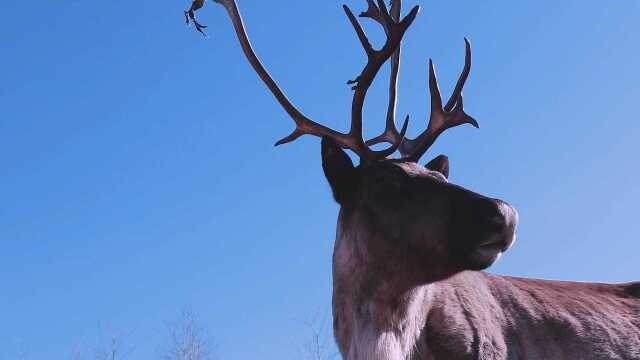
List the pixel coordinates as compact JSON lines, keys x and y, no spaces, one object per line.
{"x":318,"y":346}
{"x":188,"y":340}
{"x":114,"y":350}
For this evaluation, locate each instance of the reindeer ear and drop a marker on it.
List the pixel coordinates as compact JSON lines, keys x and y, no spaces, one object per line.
{"x":339,"y":170}
{"x":439,"y":164}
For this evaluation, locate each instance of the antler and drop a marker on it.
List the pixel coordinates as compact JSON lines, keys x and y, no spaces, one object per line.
{"x":390,"y":134}
{"x":376,"y":58}
{"x":441,"y":118}
{"x":191,"y":14}
{"x":394,"y":29}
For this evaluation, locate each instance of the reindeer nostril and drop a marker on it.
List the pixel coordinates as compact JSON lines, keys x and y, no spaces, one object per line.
{"x":495,"y":215}
{"x":495,"y":224}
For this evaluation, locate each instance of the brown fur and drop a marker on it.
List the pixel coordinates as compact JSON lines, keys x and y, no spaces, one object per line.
{"x":406,"y":243}
{"x":476,"y":315}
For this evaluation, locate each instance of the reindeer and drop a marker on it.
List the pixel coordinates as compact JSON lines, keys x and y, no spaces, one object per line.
{"x":410,"y":246}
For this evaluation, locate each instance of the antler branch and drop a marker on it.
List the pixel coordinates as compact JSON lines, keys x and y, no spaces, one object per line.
{"x":390,"y":134}
{"x":441,"y":118}
{"x":395,"y":30}
{"x":354,"y":139}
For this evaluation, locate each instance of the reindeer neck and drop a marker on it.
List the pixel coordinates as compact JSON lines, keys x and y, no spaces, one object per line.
{"x":372,"y":318}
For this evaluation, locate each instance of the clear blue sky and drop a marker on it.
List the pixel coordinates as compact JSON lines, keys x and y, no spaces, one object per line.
{"x":139,"y":178}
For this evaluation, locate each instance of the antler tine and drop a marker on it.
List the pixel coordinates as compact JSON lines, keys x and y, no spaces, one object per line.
{"x":457,"y":91}
{"x":305,"y":126}
{"x":395,"y":30}
{"x":384,"y":12}
{"x":364,"y":40}
{"x":373,"y":13}
{"x":441,"y":118}
{"x":391,"y":134}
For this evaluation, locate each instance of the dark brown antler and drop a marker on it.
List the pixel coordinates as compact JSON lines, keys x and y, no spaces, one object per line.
{"x":353,"y":140}
{"x":441,"y":118}
{"x":394,"y":30}
{"x":390,"y":134}
{"x":191,"y":14}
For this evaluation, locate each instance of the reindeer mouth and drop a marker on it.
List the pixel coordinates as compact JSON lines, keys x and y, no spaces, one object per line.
{"x":490,"y":250}
{"x":489,"y":253}
{"x":496,"y":243}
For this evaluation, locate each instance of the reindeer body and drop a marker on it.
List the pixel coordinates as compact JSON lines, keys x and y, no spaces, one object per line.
{"x":476,"y":315}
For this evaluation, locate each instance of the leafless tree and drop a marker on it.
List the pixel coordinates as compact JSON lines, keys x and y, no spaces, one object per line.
{"x":317,"y":347}
{"x":114,"y":350}
{"x":111,"y":345}
{"x":188,"y":340}
{"x":110,"y":352}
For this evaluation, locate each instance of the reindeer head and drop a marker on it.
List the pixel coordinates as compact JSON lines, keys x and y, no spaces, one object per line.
{"x":400,"y":220}
{"x":407,"y":225}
